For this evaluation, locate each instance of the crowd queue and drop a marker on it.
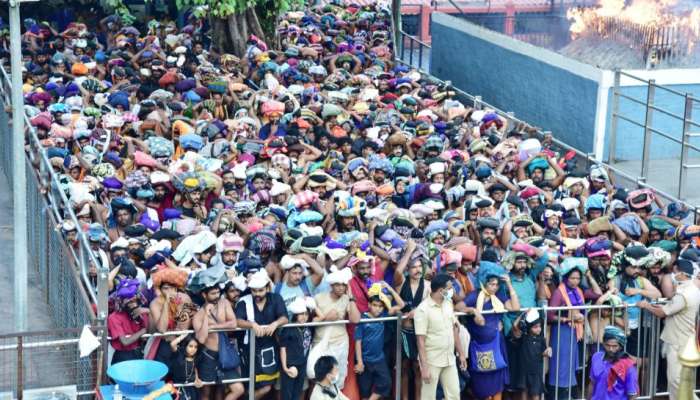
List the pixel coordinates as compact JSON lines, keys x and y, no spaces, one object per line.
{"x":320,"y":180}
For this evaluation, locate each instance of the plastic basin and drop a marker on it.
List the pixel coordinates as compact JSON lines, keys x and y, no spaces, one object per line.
{"x":137,"y":377}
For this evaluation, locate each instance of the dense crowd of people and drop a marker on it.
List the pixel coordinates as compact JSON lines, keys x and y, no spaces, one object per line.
{"x":322,"y":181}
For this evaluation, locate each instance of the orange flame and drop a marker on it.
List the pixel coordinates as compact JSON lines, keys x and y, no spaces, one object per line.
{"x":656,"y":13}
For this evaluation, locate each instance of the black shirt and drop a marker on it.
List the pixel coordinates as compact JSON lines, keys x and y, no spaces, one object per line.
{"x":297,"y":341}
{"x":530,"y":349}
{"x":273,"y":310}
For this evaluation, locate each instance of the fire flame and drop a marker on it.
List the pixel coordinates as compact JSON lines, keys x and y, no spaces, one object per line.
{"x":655,"y":13}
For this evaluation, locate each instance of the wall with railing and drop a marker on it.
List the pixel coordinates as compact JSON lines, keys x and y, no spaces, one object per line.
{"x":657,"y":128}
{"x":542,"y":87}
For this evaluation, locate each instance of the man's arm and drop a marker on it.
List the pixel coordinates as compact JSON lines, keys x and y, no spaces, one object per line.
{"x":458,"y":347}
{"x":200,"y":323}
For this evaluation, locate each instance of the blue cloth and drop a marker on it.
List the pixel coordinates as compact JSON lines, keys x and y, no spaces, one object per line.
{"x":564,"y":356}
{"x":486,"y":384}
{"x":372,"y":336}
{"x":527,"y":296}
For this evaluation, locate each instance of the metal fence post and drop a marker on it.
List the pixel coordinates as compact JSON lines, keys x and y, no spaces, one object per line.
{"x":648,"y":121}
{"x":613,"y":118}
{"x":251,"y":365}
{"x":398,"y":371}
{"x":685,"y":140}
{"x":20,"y":367}
{"x":477,"y":102}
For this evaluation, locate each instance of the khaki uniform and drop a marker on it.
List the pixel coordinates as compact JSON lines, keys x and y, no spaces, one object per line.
{"x":681,"y":314}
{"x":436,"y":322}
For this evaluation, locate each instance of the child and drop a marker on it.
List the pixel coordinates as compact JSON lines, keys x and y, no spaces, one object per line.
{"x":182,"y":365}
{"x":531,"y":348}
{"x":294,"y":349}
{"x":373,"y":373}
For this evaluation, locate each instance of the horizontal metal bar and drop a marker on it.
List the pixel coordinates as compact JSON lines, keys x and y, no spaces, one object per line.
{"x":630,"y":98}
{"x":631,"y":76}
{"x":692,"y":135}
{"x":691,"y":166}
{"x":414,"y":38}
{"x":669,"y":113}
{"x":666,"y":88}
{"x":225,"y":381}
{"x":383,"y":319}
{"x":622,"y":117}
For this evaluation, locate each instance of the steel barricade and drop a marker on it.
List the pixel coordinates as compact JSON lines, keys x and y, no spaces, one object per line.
{"x":46,"y":362}
{"x":648,"y":346}
{"x":64,"y":272}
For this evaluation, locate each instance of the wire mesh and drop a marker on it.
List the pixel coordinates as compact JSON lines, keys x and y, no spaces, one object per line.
{"x":46,"y":361}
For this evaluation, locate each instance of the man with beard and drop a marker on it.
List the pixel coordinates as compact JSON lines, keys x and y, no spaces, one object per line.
{"x":126,"y":325}
{"x":633,"y":288}
{"x":122,"y":212}
{"x":163,"y":194}
{"x":597,"y":251}
{"x":488,"y":231}
{"x":216,"y":313}
{"x":262,"y":313}
{"x":228,"y":247}
{"x":361,"y":280}
{"x":613,"y":372}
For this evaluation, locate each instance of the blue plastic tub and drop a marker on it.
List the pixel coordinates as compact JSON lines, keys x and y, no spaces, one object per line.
{"x":137,"y":377}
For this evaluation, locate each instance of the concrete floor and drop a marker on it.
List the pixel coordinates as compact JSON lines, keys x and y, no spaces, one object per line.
{"x":37,"y":308}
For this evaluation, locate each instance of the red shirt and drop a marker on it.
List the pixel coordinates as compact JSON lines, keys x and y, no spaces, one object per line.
{"x":359,"y":290}
{"x":120,"y":324}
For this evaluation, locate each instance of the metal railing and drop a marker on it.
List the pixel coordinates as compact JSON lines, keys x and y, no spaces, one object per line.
{"x":647,"y":349}
{"x":64,"y":270}
{"x":414,"y":52}
{"x":49,"y":362}
{"x":689,"y":128}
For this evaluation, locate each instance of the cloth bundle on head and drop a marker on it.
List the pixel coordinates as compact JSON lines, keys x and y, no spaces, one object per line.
{"x":376,"y":290}
{"x":263,"y":241}
{"x":600,"y":224}
{"x":193,"y":244}
{"x":173,"y":276}
{"x":206,"y":278}
{"x":595,"y":201}
{"x":288,"y":262}
{"x":436,"y":228}
{"x":301,"y":305}
{"x":571,"y":263}
{"x":336,"y":276}
{"x":348,"y":205}
{"x":229,"y":242}
{"x":616,"y":333}
{"x":487,"y":270}
{"x":259,"y":280}
{"x":304,"y":198}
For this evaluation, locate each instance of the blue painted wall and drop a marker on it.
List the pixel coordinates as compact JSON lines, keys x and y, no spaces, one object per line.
{"x":630,"y":137}
{"x":549,"y":97}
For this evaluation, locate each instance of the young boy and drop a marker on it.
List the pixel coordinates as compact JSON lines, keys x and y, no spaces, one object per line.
{"x":531,"y":349}
{"x":373,"y":373}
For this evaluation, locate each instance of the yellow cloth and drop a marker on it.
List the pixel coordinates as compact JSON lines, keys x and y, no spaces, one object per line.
{"x":496,"y":303}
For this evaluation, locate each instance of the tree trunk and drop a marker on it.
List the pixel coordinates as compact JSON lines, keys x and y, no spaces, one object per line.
{"x":231,"y":33}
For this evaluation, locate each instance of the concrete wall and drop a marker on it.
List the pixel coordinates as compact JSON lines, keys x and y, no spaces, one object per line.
{"x":540,"y":86}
